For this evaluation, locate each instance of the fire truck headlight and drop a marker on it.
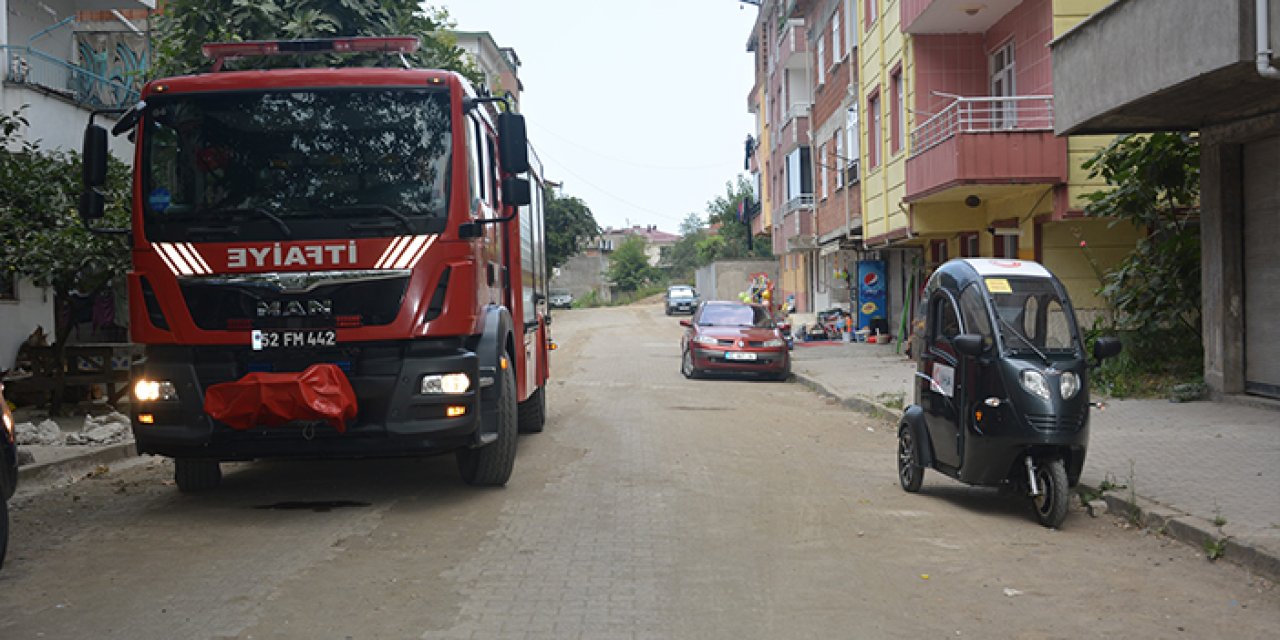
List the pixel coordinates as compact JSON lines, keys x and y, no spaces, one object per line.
{"x":153,"y":390}
{"x":445,"y":383}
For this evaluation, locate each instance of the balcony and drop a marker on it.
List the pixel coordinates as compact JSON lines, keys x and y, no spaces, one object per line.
{"x":1006,"y":140}
{"x":953,"y":16}
{"x":793,"y":45}
{"x":41,"y":71}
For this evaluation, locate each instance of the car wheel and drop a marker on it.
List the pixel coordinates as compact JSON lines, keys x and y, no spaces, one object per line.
{"x":686,"y":365}
{"x":910,"y":474}
{"x":1051,"y":504}
{"x":533,"y":412}
{"x":668,"y":310}
{"x":491,"y":465}
{"x":193,"y":476}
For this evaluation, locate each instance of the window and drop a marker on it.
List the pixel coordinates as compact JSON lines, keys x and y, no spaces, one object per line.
{"x":975,"y":315}
{"x":822,"y":59}
{"x":475,"y":152}
{"x":851,"y":129}
{"x":8,"y":287}
{"x":871,"y":11}
{"x":969,"y":245}
{"x":946,"y":324}
{"x":1004,"y":114}
{"x":938,"y":252}
{"x":1006,"y":246}
{"x":823,"y":162}
{"x":836,"y":53}
{"x":873,"y":129}
{"x":897,"y":115}
{"x":838,"y":161}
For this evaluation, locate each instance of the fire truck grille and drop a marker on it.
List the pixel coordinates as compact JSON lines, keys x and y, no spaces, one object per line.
{"x":218,"y":304}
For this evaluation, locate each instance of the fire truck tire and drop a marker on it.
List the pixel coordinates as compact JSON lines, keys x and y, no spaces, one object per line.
{"x":533,"y":412}
{"x":491,"y":465}
{"x":193,"y":475}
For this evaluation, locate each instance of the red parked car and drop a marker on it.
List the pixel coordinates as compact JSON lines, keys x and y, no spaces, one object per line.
{"x":734,"y":337}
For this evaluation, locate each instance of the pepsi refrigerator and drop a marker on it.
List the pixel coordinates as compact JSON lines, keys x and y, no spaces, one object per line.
{"x":873,"y":296}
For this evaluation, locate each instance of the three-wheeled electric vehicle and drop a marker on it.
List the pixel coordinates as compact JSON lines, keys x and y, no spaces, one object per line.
{"x":1001,"y":391}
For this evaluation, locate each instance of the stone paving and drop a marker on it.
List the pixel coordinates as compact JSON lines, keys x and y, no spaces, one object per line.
{"x":1216,"y":463}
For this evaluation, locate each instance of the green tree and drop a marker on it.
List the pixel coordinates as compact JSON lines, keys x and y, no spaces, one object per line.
{"x":1154,"y":293}
{"x":185,"y":25}
{"x":683,"y":256}
{"x":569,"y":223}
{"x":723,"y":210}
{"x":629,"y":267}
{"x":41,"y":236}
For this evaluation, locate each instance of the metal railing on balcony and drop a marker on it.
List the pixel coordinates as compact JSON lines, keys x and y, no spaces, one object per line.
{"x":984,"y":115}
{"x":27,"y":66}
{"x":804,"y":201}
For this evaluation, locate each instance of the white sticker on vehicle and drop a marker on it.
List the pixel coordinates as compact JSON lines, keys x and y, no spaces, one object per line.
{"x":944,"y":379}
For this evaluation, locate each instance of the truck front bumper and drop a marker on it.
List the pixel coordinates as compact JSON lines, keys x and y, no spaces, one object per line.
{"x":394,"y":417}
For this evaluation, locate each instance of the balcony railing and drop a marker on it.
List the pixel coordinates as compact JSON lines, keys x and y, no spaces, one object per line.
{"x":799,"y":202}
{"x":27,"y":66}
{"x":983,"y":115}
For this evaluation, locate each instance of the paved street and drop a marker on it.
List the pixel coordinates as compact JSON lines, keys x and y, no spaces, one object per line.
{"x":652,"y":507}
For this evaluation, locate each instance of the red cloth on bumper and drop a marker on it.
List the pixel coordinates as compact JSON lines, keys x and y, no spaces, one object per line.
{"x":322,"y":392}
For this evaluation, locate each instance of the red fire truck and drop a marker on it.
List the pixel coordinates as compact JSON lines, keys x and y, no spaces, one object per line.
{"x":331,"y":262}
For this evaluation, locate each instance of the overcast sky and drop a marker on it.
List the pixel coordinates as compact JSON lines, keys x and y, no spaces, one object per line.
{"x":639,"y":107}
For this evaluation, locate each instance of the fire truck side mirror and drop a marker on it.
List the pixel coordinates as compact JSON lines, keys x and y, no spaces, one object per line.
{"x":94,"y":159}
{"x":516,"y":192}
{"x":95,"y":155}
{"x":513,"y":142}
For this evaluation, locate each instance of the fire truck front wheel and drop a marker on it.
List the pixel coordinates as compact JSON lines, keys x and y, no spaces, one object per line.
{"x":192,"y":475}
{"x":491,"y":465}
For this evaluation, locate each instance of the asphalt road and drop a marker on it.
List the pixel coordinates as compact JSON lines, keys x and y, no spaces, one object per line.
{"x":652,"y":507}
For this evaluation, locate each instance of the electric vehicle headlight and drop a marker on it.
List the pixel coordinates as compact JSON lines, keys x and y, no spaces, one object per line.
{"x":446,"y":383}
{"x":1033,"y":381}
{"x":153,"y":390}
{"x":706,"y":340}
{"x":1070,"y":385}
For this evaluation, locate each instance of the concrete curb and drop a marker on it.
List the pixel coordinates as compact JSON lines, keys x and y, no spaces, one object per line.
{"x":1186,"y":528}
{"x":61,"y":469}
{"x":1192,"y":530}
{"x":861,"y":405}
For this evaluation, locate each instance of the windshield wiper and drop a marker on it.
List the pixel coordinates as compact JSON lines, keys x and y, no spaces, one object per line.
{"x":380,"y":208}
{"x":1024,"y":339}
{"x":261,"y":212}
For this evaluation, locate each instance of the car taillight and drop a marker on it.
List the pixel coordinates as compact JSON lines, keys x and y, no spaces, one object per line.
{"x":239,"y":324}
{"x":348,"y":322}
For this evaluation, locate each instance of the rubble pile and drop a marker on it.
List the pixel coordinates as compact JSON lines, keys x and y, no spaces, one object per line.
{"x":45,"y":433}
{"x":107,"y":429}
{"x":97,"y":430}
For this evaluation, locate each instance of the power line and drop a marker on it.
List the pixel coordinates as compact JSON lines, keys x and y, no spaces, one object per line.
{"x":628,"y":162}
{"x":606,"y":192}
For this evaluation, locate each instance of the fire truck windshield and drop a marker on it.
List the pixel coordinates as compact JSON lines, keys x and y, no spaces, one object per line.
{"x":296,"y":164}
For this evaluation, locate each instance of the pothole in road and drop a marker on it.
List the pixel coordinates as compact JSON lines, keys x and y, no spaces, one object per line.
{"x":318,"y":506}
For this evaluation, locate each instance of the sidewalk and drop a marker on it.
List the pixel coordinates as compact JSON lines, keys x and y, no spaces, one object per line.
{"x":1182,"y":468}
